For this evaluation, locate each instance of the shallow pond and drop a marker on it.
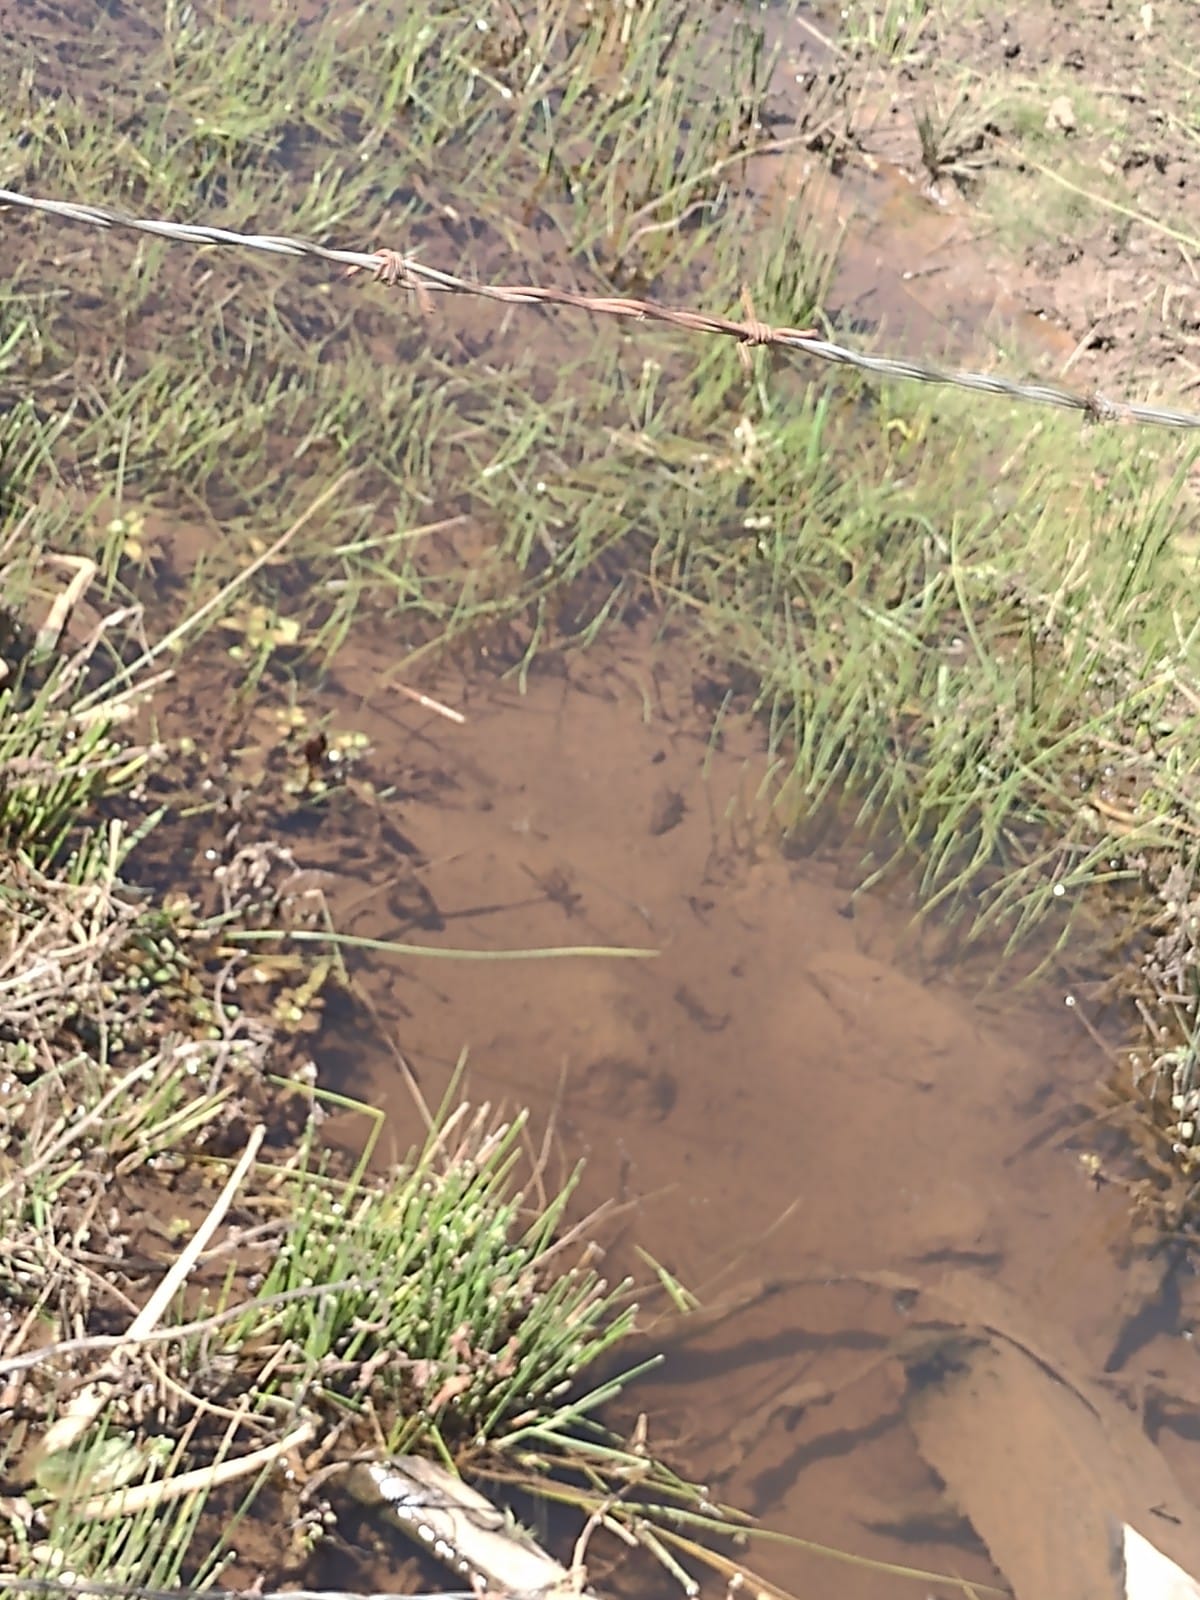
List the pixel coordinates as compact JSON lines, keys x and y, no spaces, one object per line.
{"x":810,"y":1113}
{"x":868,"y":1162}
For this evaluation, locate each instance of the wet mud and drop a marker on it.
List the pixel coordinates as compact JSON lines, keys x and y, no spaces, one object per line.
{"x":1055,"y":165}
{"x":916,"y":267}
{"x":862,"y":1159}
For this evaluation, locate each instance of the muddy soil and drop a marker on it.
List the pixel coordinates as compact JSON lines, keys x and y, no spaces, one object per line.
{"x":1053,"y":150}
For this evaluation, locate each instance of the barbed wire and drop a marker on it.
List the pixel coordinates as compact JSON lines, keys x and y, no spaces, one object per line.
{"x":404,"y":271}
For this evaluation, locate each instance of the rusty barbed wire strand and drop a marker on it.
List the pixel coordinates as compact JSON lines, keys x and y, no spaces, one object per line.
{"x":396,"y":269}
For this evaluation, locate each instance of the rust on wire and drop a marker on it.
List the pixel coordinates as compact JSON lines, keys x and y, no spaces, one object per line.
{"x":398,"y":270}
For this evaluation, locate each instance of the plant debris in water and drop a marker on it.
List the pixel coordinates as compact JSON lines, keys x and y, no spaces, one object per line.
{"x":168,"y":1347}
{"x":1006,"y":679}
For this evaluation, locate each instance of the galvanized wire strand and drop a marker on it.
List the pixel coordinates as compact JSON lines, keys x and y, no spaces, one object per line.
{"x":394,"y":268}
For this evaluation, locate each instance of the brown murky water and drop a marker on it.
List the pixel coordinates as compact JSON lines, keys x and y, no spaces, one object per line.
{"x":820,"y":1126}
{"x":865,"y":1164}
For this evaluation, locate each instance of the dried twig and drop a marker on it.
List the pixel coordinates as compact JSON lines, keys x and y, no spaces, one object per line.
{"x":83,"y":569}
{"x":141,"y":1496}
{"x":429,"y":703}
{"x":177,"y":1330}
{"x":90,"y":1401}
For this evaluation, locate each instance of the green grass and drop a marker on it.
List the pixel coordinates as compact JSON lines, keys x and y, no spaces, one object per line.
{"x":953,"y":660}
{"x":966,"y":624}
{"x":434,"y":1310}
{"x":888,"y":30}
{"x":1055,"y":758}
{"x":983,"y":700}
{"x":439,"y":1307}
{"x":448,"y":1266}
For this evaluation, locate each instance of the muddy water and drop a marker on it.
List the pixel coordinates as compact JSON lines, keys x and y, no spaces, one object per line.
{"x":865,"y":1164}
{"x":814,"y":1119}
{"x":926,"y":1337}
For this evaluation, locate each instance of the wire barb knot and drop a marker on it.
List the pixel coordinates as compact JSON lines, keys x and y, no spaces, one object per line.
{"x":753,"y":331}
{"x":391,"y":269}
{"x":1099,"y":408}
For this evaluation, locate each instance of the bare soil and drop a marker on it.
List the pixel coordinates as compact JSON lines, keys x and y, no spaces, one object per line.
{"x":1050,"y":154}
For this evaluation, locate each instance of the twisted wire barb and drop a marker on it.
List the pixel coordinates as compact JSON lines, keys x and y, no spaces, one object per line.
{"x":394,"y":268}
